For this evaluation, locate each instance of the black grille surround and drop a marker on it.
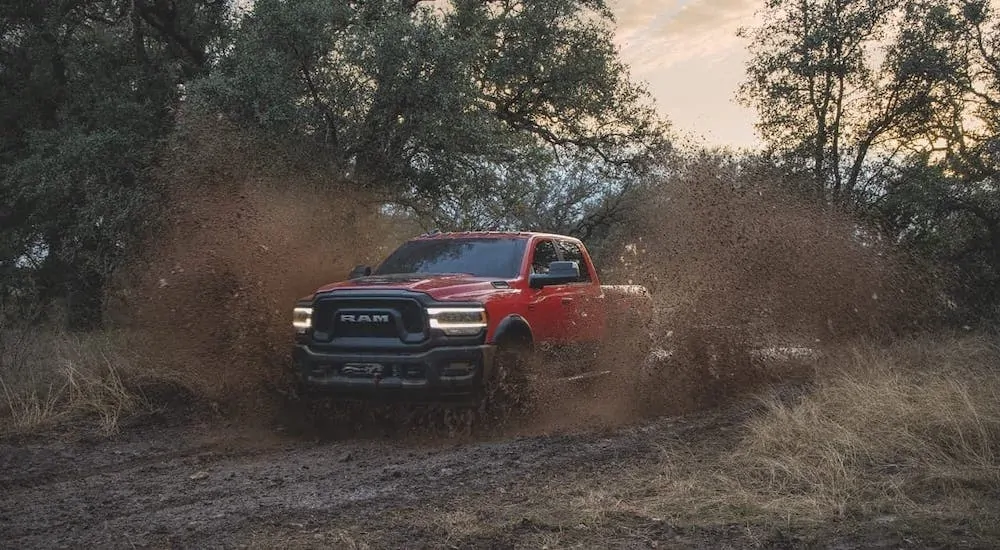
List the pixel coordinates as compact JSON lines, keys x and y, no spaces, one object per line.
{"x":356,"y":320}
{"x":386,"y":349}
{"x":336,"y":316}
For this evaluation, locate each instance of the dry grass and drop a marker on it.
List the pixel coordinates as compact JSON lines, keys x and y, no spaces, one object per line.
{"x":904,"y":434}
{"x":894,"y":429}
{"x":50,"y":377}
{"x":888,"y":436}
{"x":911,"y":429}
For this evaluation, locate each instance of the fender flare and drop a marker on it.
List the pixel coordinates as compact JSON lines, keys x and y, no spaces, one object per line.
{"x":513,"y":327}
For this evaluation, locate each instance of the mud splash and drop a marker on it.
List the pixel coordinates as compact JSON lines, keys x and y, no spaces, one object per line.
{"x":734,"y":266}
{"x":250,"y":230}
{"x":741,"y":271}
{"x":739,"y":267}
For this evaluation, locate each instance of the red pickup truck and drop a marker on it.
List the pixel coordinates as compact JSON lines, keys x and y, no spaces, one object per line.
{"x":453,"y":316}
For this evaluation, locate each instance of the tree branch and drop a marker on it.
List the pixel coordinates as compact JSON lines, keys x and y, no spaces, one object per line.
{"x":331,"y":126}
{"x":151,"y":15}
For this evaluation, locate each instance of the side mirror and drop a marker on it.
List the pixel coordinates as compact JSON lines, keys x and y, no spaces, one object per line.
{"x":360,"y":271}
{"x":559,"y":273}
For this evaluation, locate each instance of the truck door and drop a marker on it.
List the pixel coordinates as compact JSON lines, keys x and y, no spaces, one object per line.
{"x":585,"y":313}
{"x":546,"y":308}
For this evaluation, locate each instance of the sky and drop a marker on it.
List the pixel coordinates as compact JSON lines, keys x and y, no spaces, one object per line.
{"x":690,"y":59}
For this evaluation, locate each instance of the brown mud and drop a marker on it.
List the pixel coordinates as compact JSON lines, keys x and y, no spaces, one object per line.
{"x":249,"y":230}
{"x":190,"y":486}
{"x":252,"y":228}
{"x":198,"y":485}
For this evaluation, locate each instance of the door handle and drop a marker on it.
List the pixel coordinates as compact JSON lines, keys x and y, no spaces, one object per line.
{"x":567,"y":300}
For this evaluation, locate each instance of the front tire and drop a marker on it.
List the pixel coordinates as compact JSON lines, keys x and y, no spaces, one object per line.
{"x":506,"y":390}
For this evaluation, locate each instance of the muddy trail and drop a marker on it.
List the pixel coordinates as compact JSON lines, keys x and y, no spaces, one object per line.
{"x":210,"y":486}
{"x":184,"y":486}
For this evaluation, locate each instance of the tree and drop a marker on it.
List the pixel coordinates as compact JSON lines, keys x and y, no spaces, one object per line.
{"x":88,"y":90}
{"x":479,"y":99}
{"x":840,"y":86}
{"x":892,"y":109}
{"x":944,"y":201}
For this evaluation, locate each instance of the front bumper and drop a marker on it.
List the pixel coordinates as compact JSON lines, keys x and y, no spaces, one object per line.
{"x":442,"y":374}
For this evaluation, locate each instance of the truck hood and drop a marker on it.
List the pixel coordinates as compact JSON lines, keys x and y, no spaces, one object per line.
{"x":439,"y":287}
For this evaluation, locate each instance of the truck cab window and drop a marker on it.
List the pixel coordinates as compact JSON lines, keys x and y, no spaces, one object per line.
{"x":544,"y":254}
{"x":571,"y":253}
{"x":488,"y":257}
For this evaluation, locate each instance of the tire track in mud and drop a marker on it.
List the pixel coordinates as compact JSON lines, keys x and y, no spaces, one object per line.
{"x":62,"y":465}
{"x":189,"y":496}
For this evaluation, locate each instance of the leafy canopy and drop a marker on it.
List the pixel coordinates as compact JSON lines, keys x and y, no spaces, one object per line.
{"x":88,"y":89}
{"x":429,"y":101}
{"x":892,"y":108}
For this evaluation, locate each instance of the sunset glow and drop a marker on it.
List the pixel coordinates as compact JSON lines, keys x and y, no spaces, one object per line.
{"x":688,"y":54}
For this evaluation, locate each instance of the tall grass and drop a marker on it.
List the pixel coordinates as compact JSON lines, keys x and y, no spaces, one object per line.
{"x":887,"y":429}
{"x":912,"y":428}
{"x":49,"y":377}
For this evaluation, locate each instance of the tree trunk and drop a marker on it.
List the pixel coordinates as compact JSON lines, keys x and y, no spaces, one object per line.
{"x":85,"y":301}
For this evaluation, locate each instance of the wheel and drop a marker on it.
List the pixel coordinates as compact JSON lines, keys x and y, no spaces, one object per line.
{"x":506,"y":392}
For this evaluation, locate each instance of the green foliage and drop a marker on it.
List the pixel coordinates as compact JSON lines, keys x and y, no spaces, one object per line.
{"x":89,"y":90}
{"x":942,"y":217}
{"x":495,"y":114}
{"x":438,"y":105}
{"x":945,"y":201}
{"x":843,"y":86}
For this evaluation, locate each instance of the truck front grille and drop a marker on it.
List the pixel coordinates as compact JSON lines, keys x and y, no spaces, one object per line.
{"x":401,"y":318}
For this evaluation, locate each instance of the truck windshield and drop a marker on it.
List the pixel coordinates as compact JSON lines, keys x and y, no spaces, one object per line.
{"x":496,"y":258}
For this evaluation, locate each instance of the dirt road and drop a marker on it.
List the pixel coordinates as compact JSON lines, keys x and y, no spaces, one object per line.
{"x":207,"y":486}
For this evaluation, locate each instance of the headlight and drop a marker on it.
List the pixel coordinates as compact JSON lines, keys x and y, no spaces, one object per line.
{"x":458,"y":321}
{"x":302,"y":319}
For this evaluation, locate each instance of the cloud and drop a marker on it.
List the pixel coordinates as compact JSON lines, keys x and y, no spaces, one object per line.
{"x":688,"y":53}
{"x":700,"y":16}
{"x":659,"y":34}
{"x":639,"y":13}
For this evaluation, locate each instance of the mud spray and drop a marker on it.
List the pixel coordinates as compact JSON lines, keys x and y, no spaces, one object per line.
{"x":731,"y":268}
{"x":749,"y":282}
{"x":249,"y":231}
